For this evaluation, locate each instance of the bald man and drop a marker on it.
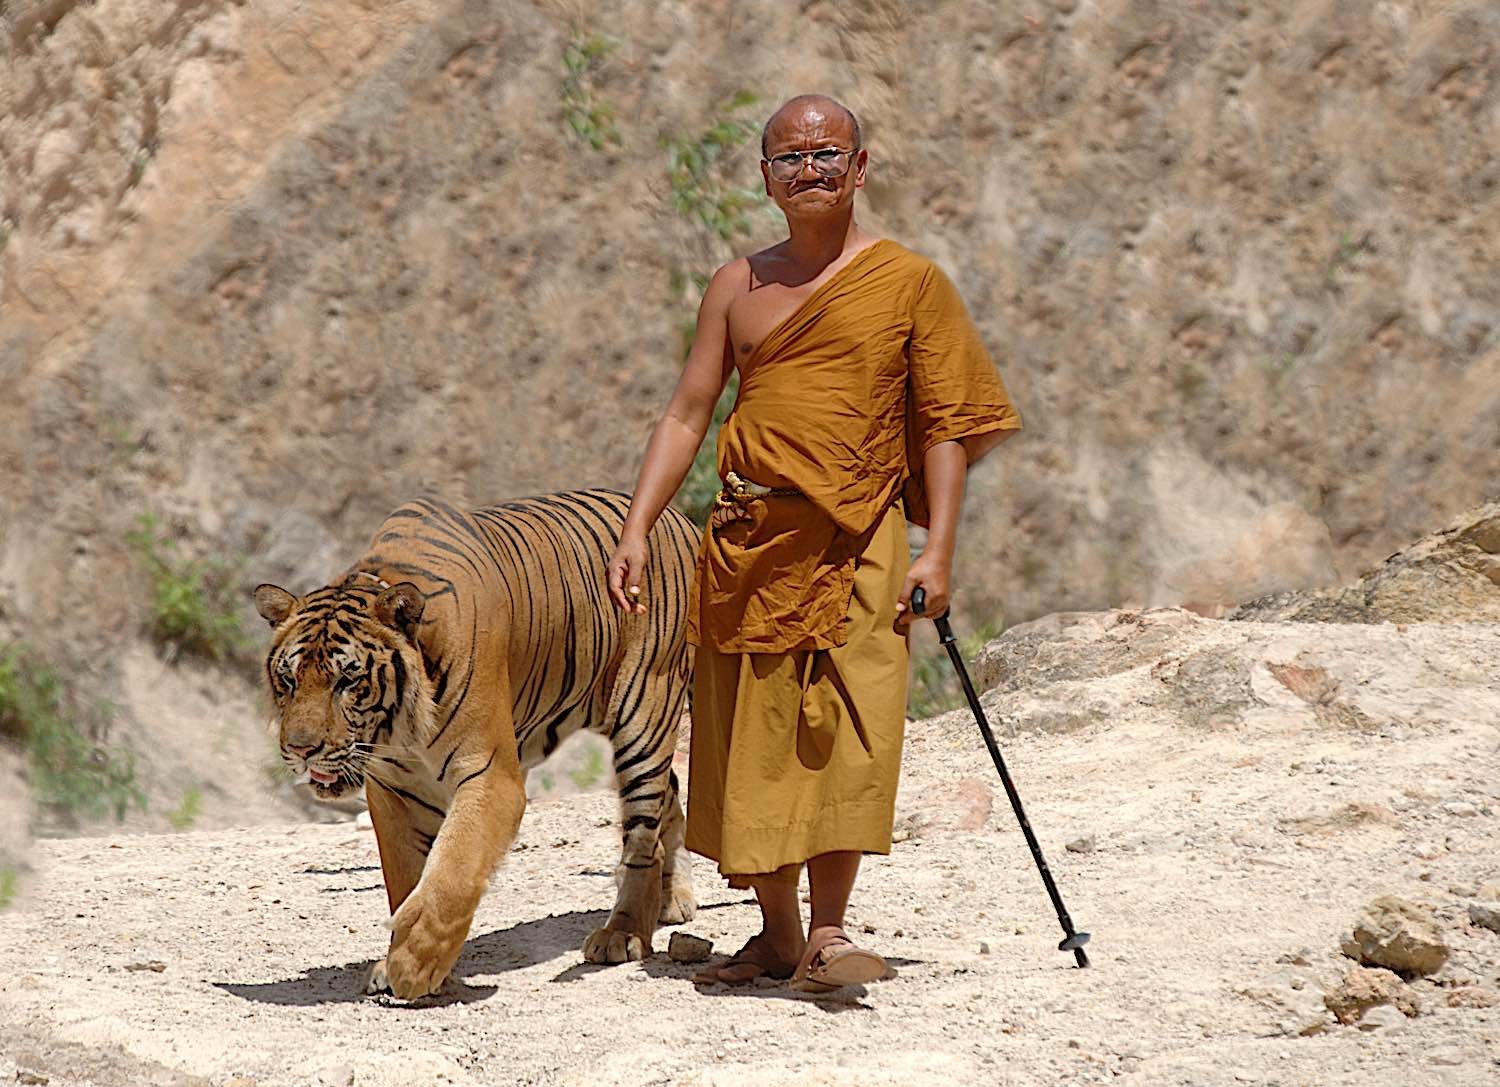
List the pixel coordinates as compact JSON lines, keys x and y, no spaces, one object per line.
{"x":864,"y":396}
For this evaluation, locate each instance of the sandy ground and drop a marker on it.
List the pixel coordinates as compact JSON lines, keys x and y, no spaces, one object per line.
{"x":1228,"y":864}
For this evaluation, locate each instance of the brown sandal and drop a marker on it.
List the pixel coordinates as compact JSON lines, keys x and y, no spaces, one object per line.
{"x":750,"y":955}
{"x":835,"y":963}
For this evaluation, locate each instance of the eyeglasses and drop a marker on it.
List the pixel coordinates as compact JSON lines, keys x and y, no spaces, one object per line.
{"x":826,"y":162}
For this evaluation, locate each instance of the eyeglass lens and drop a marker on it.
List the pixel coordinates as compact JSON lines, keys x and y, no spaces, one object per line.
{"x":829,"y":162}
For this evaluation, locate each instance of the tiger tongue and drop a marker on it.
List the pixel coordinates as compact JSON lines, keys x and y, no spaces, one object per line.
{"x":320,"y":777}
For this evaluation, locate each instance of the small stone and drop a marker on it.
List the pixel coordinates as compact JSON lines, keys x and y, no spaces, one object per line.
{"x":1460,"y":808}
{"x":1300,"y":957}
{"x":898,"y":932}
{"x":1471,"y":996}
{"x":339,"y":1075}
{"x":155,"y":966}
{"x":1490,"y":892}
{"x":984,"y":947}
{"x":867,"y":928}
{"x":23,"y":1076}
{"x":685,"y":947}
{"x":1085,"y":844}
{"x":1382,"y":1017}
{"x":1451,"y":1056}
{"x":1485,"y":916}
{"x":1399,"y":935}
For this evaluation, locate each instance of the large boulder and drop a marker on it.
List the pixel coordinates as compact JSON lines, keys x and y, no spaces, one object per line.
{"x":1450,"y":576}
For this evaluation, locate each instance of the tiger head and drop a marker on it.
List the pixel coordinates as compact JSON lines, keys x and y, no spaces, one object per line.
{"x":347,"y":677}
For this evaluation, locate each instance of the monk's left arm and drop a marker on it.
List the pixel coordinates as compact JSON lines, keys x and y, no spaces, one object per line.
{"x":945,"y":466}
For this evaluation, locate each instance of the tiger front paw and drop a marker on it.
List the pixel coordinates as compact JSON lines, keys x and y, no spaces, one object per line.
{"x":610,"y":945}
{"x":424,"y":947}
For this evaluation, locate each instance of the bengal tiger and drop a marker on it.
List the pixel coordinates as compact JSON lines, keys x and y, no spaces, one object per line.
{"x":458,"y":652}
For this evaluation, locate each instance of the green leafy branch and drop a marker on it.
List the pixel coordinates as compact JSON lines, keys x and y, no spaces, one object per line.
{"x":589,"y":117}
{"x":696,"y":171}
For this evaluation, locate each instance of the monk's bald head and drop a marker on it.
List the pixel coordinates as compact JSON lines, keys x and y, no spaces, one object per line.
{"x":795,"y":112}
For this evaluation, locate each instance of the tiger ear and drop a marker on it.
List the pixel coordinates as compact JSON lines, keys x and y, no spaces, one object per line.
{"x":274,"y":603}
{"x":400,"y":607}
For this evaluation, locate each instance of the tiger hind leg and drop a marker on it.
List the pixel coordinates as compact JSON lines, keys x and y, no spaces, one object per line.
{"x":677,"y":901}
{"x":643,"y":749}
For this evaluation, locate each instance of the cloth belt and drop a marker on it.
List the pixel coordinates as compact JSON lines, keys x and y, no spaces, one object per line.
{"x":730,"y":502}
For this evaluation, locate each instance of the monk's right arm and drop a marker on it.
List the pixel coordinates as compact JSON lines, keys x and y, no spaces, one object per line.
{"x":677,"y":435}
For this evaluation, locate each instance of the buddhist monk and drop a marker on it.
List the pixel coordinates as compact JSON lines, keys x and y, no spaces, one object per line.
{"x":864,"y":396}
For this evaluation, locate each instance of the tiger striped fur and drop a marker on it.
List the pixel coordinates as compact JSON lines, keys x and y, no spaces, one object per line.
{"x":459,"y":651}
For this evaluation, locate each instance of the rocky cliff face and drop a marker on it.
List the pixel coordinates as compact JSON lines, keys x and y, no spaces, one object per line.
{"x":269,"y":269}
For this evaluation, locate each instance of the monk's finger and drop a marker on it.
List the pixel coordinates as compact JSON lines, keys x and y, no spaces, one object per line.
{"x":635,"y":600}
{"x":618,"y":570}
{"x":903,"y":600}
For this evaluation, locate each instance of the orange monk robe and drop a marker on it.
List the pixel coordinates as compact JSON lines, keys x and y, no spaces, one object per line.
{"x":799,"y":688}
{"x":841,"y":402}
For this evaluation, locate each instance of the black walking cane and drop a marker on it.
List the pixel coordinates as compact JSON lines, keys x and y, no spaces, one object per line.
{"x":1073,"y":941}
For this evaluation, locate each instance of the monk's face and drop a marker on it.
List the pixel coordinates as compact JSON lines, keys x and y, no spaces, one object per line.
{"x":811,"y":127}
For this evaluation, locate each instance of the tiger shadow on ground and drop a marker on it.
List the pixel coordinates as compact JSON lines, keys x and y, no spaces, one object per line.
{"x":521,"y":945}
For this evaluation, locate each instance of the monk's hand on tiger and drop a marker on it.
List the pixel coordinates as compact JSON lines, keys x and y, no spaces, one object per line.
{"x":626,"y":567}
{"x":933,"y":573}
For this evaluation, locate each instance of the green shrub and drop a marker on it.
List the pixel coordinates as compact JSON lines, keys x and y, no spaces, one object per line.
{"x":10,"y":882}
{"x":71,"y":772}
{"x":696,"y":171}
{"x":591,"y":770}
{"x":935,"y":686}
{"x":696,"y":495}
{"x":186,"y":813}
{"x":588,"y":117}
{"x":194,"y":602}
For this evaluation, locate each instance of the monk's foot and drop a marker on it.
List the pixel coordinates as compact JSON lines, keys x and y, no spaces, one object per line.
{"x":758,"y":958}
{"x":832,"y":960}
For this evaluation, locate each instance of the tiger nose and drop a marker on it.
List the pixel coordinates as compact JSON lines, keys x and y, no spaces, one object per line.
{"x":301,"y":750}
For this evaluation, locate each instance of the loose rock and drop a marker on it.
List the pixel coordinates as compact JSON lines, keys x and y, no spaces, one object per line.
{"x":685,"y":947}
{"x":1084,"y":844}
{"x":1363,"y":988}
{"x":1485,"y":916}
{"x":1382,"y":1017}
{"x":1398,"y":935}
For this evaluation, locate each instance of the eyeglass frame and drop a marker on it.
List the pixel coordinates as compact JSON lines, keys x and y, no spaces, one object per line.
{"x":803,"y":158}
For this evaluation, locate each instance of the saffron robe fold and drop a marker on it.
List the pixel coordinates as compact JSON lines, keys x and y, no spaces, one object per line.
{"x":798,"y":754}
{"x":841,"y":401}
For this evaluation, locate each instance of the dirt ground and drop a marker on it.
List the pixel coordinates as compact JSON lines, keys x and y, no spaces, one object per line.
{"x":1229,"y":860}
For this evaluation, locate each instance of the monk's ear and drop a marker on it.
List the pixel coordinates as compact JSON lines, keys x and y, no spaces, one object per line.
{"x":400,"y":607}
{"x":274,"y":603}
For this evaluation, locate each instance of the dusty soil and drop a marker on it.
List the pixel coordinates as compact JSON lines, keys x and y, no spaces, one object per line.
{"x":1240,"y":826}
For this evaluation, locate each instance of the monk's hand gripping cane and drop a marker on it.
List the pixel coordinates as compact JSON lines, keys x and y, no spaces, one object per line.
{"x":1072,"y":941}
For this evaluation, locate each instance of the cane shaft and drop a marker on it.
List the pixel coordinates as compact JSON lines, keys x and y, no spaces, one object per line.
{"x":945,"y":635}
